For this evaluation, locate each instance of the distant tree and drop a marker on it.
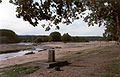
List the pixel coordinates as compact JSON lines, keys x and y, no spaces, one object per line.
{"x":55,"y":37}
{"x":41,"y":39}
{"x":66,"y":37}
{"x":38,"y":40}
{"x":79,"y":39}
{"x":8,"y":36}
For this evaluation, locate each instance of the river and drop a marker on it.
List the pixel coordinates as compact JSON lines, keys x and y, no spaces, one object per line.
{"x":6,"y":56}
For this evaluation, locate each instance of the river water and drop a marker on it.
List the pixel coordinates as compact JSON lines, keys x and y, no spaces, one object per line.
{"x":19,"y":53}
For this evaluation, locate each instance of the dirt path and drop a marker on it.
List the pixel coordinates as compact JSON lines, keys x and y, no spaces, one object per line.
{"x":96,"y":63}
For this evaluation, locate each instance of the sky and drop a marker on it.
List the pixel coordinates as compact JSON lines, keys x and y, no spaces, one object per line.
{"x":8,"y":20}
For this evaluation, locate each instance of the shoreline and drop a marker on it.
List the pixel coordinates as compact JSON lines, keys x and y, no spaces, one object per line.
{"x":10,"y":48}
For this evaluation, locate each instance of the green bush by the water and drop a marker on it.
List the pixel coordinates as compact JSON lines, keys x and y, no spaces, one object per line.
{"x":8,"y":36}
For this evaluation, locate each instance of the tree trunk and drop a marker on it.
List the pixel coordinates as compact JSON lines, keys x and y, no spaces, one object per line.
{"x":118,"y":29}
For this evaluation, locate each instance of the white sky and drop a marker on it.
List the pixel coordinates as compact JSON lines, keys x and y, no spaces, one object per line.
{"x":8,"y":20}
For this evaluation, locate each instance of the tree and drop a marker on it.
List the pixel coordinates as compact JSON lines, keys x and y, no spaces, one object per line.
{"x":8,"y":36}
{"x":38,"y":40}
{"x":102,"y":12}
{"x":66,"y":37}
{"x":54,"y":11}
{"x":55,"y":37}
{"x":110,"y":33}
{"x":105,"y":12}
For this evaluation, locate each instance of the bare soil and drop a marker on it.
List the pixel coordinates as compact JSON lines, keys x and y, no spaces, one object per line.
{"x":99,"y":62}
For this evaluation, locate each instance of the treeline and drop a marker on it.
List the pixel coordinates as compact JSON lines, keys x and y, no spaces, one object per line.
{"x":9,"y":36}
{"x":57,"y":37}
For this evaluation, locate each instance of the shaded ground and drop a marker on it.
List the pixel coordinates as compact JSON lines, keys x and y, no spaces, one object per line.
{"x":97,"y":62}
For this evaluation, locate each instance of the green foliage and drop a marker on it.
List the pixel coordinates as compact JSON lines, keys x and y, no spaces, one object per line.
{"x":112,"y":69}
{"x":18,"y":71}
{"x":38,"y":40}
{"x":33,"y":38}
{"x":33,"y":11}
{"x":79,"y":39}
{"x":105,"y":12}
{"x":55,"y":37}
{"x":8,"y":36}
{"x":66,"y":37}
{"x":41,"y":39}
{"x":110,"y":33}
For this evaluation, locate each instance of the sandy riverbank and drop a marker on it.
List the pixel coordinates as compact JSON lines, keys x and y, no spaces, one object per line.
{"x":9,"y":48}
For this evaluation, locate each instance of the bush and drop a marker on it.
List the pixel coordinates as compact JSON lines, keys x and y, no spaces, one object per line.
{"x":38,"y":40}
{"x":66,"y":38}
{"x":8,"y":36}
{"x":41,"y":39}
{"x":55,"y":37}
{"x":79,"y":39}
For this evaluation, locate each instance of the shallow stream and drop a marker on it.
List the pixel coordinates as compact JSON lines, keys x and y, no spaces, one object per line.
{"x":6,"y":56}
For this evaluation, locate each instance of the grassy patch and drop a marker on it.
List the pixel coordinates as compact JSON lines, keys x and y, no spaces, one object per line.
{"x":81,"y":54}
{"x":18,"y":71}
{"x":112,"y":70}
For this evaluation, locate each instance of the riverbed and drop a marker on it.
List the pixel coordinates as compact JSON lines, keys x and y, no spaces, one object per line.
{"x":18,"y":49}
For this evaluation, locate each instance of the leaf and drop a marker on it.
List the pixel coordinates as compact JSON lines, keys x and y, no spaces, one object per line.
{"x":47,"y":29}
{"x":0,"y":1}
{"x":43,"y":25}
{"x":18,"y":9}
{"x":18,"y":15}
{"x":57,"y":27}
{"x":11,"y":1}
{"x":36,"y":3}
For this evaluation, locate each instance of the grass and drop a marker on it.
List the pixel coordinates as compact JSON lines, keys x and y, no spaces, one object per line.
{"x":113,"y":70}
{"x":82,"y":53}
{"x":18,"y":71}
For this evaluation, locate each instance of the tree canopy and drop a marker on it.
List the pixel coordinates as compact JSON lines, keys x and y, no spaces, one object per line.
{"x":8,"y":36}
{"x":66,"y":38}
{"x":101,"y":12}
{"x":55,"y":37}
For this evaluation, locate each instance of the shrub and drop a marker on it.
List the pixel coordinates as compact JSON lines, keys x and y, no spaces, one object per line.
{"x":8,"y":36}
{"x":66,"y":38}
{"x":55,"y":37}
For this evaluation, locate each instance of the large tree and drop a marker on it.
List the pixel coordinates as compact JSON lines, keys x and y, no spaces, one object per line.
{"x":101,"y":12}
{"x":105,"y":12}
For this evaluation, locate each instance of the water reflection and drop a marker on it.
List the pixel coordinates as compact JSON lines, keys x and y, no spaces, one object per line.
{"x":16,"y":54}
